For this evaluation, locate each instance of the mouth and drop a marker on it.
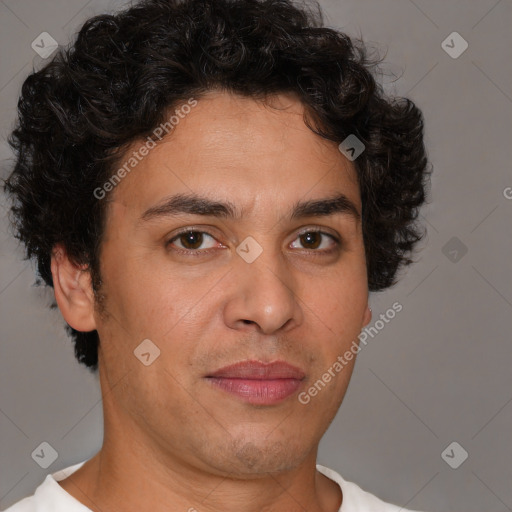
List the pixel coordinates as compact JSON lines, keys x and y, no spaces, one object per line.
{"x":258,"y":383}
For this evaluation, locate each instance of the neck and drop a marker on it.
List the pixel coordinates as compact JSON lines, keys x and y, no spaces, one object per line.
{"x":134,"y":480}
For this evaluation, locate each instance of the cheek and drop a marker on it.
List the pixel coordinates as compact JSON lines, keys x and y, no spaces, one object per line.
{"x":340,"y":302}
{"x":336,"y":321}
{"x":138,"y":292}
{"x":324,"y":392}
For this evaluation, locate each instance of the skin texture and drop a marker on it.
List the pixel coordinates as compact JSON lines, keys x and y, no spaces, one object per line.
{"x":172,"y":441}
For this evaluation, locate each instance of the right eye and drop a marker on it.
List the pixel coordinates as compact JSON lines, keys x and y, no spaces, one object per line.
{"x":190,"y":240}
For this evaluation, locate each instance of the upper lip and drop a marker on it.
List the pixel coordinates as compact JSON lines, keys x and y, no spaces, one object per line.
{"x":259,"y":370}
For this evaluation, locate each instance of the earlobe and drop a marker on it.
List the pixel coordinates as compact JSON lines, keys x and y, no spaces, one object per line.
{"x":73,"y":291}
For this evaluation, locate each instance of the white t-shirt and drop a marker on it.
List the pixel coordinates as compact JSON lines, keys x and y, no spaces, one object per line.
{"x":51,"y":497}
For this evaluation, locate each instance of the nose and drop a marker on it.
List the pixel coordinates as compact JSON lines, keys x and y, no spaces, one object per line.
{"x":263,"y":293}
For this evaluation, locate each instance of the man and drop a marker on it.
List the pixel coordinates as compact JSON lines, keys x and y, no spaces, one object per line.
{"x":212,"y":188}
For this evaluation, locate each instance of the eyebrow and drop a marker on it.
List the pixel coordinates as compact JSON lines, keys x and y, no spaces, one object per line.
{"x":194,"y":204}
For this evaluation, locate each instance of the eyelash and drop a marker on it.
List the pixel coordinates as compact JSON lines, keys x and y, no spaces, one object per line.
{"x":199,"y":252}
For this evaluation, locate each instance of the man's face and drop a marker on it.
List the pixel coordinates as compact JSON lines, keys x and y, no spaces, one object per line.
{"x":303,"y":300}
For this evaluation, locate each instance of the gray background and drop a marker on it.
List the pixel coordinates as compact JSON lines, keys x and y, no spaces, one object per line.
{"x":438,"y":372}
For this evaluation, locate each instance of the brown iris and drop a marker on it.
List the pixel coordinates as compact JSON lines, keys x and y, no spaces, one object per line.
{"x":310,"y":237}
{"x":193,"y":239}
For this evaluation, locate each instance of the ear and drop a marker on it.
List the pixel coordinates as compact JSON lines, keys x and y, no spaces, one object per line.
{"x":73,"y":291}
{"x":367,"y":316}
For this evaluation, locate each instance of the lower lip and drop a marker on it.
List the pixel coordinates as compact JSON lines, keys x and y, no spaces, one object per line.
{"x":259,"y":392}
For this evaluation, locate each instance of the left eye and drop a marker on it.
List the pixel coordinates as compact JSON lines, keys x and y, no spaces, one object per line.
{"x":314,"y":238}
{"x":191,"y":241}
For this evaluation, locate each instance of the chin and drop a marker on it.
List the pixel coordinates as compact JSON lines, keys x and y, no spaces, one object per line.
{"x":251,"y":458}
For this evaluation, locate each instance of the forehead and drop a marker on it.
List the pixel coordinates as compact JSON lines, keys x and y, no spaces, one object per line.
{"x":237,"y":147}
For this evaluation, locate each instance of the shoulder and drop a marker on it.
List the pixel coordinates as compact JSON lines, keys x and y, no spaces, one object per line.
{"x":51,"y":496}
{"x":25,"y":505}
{"x":356,"y":499}
{"x":31,"y":503}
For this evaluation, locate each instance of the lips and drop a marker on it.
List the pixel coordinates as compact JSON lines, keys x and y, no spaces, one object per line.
{"x":258,"y":383}
{"x":260,"y":371}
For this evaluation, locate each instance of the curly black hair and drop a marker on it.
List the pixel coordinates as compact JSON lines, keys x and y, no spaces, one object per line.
{"x":124,"y":72}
